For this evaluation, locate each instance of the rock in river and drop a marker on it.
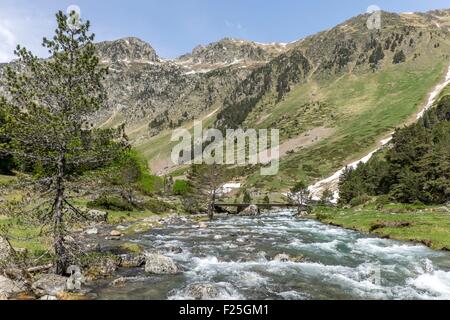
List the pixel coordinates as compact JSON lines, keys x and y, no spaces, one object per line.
{"x":132,"y":260}
{"x":158,"y":264}
{"x":251,"y":210}
{"x":202,"y":291}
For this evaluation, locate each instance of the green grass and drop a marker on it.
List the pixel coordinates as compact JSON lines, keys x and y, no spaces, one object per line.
{"x":427,"y":225}
{"x":5,"y":180}
{"x":26,"y":237}
{"x":368,"y":107}
{"x":117,"y":217}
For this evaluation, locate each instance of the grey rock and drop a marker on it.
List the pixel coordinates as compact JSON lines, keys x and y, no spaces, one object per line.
{"x":97,"y":216}
{"x":10,"y":288}
{"x":202,"y":291}
{"x":251,"y":210}
{"x":282,"y":257}
{"x":158,"y":264}
{"x":132,"y":260}
{"x":47,"y":297}
{"x":5,"y":249}
{"x":50,"y":284}
{"x":92,"y":231}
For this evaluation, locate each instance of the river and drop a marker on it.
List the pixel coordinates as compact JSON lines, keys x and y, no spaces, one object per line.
{"x":235,"y":254}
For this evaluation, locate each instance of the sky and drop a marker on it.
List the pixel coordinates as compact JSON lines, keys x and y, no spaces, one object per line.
{"x":175,"y":27}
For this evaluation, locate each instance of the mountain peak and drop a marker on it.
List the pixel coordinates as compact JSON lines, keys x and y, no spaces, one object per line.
{"x":127,"y":50}
{"x":232,"y":51}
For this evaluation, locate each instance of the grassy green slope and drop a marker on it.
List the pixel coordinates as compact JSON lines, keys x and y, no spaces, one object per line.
{"x":367,"y":108}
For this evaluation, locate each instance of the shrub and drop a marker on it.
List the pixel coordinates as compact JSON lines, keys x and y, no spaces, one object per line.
{"x":180,"y":188}
{"x":111,"y":203}
{"x":360,"y":200}
{"x":399,"y":57}
{"x":158,"y":206}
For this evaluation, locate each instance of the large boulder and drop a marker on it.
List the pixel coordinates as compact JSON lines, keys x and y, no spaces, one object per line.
{"x":10,"y":288}
{"x":132,"y":260}
{"x":251,"y":210}
{"x":103,"y":267}
{"x":158,"y":264}
{"x":97,"y":215}
{"x":50,"y":285}
{"x":202,"y":291}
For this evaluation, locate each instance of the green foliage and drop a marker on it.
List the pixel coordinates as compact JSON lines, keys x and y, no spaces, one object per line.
{"x":360,"y":200}
{"x":399,"y":57}
{"x":376,"y":55}
{"x":180,"y":188}
{"x":158,"y":206}
{"x":326,"y":197}
{"x":111,"y":203}
{"x":47,"y":116}
{"x":415,"y":169}
{"x":131,"y":171}
{"x":247,"y":197}
{"x":300,"y":194}
{"x":204,"y":181}
{"x":7,"y":163}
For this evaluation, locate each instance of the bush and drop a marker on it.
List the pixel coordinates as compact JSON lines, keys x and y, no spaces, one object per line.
{"x":399,"y":57}
{"x":322,"y":216}
{"x":158,"y":206}
{"x":150,"y":184}
{"x":180,"y":188}
{"x":383,"y":200}
{"x":111,"y":203}
{"x":360,"y":200}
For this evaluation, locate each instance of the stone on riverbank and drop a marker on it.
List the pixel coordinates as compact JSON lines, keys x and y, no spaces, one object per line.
{"x":97,"y":216}
{"x":10,"y":288}
{"x":50,"y":285}
{"x":5,"y":249}
{"x":158,"y":264}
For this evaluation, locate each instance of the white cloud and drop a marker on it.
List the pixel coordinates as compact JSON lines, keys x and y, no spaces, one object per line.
{"x":24,"y":26}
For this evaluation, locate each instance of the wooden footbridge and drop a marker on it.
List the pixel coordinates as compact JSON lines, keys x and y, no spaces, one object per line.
{"x":239,"y":207}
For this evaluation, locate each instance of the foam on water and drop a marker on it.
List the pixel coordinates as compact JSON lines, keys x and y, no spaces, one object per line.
{"x":340,"y":264}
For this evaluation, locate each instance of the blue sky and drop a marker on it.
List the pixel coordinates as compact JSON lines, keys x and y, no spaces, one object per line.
{"x":174,"y":27}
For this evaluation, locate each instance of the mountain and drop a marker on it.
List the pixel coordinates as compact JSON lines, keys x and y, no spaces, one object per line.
{"x":332,"y":95}
{"x":145,"y":89}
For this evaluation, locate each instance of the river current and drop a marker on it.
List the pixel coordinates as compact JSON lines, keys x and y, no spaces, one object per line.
{"x":236,"y":255}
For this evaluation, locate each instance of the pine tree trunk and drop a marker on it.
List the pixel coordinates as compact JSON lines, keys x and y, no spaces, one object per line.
{"x":212,"y":206}
{"x":58,"y":227}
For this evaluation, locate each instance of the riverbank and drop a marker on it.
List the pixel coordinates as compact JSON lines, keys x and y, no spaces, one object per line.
{"x":414,"y":223}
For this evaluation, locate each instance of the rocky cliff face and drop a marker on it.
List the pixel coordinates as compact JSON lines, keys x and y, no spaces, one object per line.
{"x":166,"y":93}
{"x":127,"y":50}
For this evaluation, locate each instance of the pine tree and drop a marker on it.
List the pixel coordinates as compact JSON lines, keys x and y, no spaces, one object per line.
{"x":300,"y":195}
{"x":327,"y":197}
{"x":49,"y":109}
{"x":204,"y":183}
{"x":399,"y":57}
